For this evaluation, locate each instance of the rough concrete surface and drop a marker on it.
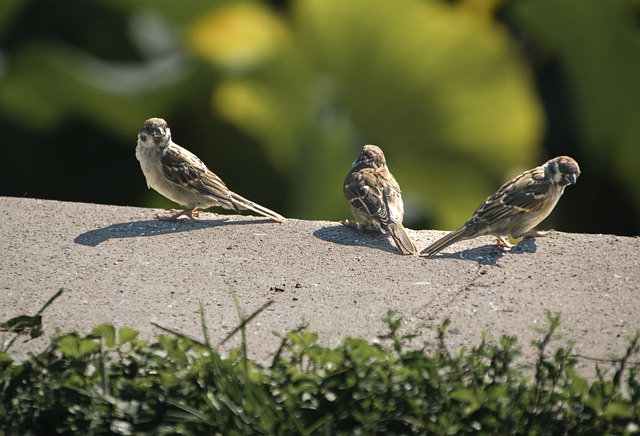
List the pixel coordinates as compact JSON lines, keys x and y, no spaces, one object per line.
{"x":121,"y":266}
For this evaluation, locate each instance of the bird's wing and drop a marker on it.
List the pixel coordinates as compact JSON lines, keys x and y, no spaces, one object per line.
{"x":392,"y":198}
{"x":375,"y":193}
{"x":185,"y":169}
{"x":365,"y":195}
{"x":524,"y":194}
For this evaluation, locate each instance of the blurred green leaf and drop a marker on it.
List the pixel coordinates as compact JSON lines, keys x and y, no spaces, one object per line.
{"x":597,"y":45}
{"x":618,"y":410}
{"x":74,"y":346}
{"x":180,"y":13}
{"x":8,"y":10}
{"x":45,"y":83}
{"x":441,"y":90}
{"x":107,"y":332}
{"x":126,"y":334}
{"x":21,"y":323}
{"x":441,"y":86}
{"x":239,"y":36}
{"x":268,"y":90}
{"x":467,"y":396}
{"x":262,"y":87}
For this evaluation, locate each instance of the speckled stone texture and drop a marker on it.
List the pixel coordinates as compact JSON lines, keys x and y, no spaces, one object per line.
{"x":121,"y":266}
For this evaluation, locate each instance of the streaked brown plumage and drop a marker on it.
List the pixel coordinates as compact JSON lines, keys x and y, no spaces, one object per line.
{"x":182,"y":177}
{"x":375,"y":199}
{"x":517,"y":207}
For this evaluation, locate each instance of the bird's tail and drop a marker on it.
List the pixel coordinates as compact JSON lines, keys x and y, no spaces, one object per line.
{"x":240,"y":202}
{"x":402,"y":240}
{"x":444,"y":242}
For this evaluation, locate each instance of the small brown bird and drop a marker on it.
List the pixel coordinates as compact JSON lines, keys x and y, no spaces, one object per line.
{"x":180,"y":176}
{"x":375,"y":199}
{"x":518,"y":206}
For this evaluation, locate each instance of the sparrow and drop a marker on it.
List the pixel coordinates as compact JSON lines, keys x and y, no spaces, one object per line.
{"x":517,"y":207}
{"x":182,"y":177}
{"x":374,"y":198}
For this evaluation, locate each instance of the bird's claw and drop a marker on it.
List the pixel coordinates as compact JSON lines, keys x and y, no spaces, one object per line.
{"x":504,"y":242}
{"x":351,"y":224}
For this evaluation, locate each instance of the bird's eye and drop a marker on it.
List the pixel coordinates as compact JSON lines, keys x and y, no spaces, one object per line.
{"x":563,"y":167}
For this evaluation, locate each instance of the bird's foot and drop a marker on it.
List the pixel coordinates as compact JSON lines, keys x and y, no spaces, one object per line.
{"x":361,"y":226}
{"x":504,"y":242}
{"x":350,"y":224}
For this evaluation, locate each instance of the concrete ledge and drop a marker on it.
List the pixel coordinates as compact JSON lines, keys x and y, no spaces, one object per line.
{"x":120,"y":266}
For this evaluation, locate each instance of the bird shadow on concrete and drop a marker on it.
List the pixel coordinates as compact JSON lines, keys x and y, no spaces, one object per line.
{"x":490,"y":254}
{"x":345,"y":235}
{"x":137,"y":229}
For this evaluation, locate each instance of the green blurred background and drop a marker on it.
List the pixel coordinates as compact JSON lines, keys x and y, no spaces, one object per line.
{"x":278,"y":98}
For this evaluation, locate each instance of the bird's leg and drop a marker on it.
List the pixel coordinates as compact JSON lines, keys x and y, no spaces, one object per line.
{"x":503,"y":242}
{"x":360,"y":226}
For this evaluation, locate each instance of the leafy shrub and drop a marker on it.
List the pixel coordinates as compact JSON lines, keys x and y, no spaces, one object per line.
{"x":112,"y":382}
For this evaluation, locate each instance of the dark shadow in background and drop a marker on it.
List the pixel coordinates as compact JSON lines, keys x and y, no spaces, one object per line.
{"x":491,"y":253}
{"x":136,"y":229}
{"x":349,"y":236}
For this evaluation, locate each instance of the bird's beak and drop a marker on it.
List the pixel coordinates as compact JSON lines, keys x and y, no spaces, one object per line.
{"x":571,"y":178}
{"x":158,"y":132}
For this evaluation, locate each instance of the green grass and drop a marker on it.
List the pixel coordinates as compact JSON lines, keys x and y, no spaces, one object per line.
{"x":112,"y":382}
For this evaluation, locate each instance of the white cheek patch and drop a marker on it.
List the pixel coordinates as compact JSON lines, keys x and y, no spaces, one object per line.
{"x":395,"y":214}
